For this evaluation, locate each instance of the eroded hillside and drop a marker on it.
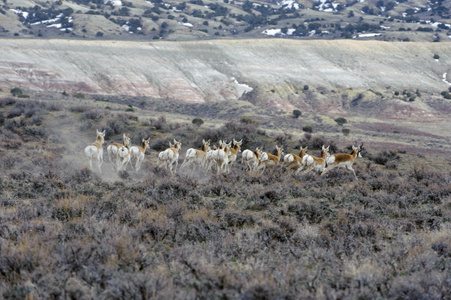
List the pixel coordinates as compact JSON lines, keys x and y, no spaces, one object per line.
{"x":328,"y":77}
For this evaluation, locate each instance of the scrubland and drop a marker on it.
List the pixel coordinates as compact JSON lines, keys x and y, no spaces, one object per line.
{"x":67,"y":232}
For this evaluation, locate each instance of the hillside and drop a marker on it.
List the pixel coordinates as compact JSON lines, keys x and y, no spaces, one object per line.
{"x":328,"y":77}
{"x":404,"y":20}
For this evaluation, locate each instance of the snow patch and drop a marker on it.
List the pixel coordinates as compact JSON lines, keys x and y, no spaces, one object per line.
{"x":187,"y":24}
{"x":114,"y":2}
{"x":241,"y":88}
{"x":289,"y":4}
{"x":278,"y":31}
{"x":367,"y":35}
{"x":444,"y":79}
{"x":20,"y":12}
{"x":327,"y":6}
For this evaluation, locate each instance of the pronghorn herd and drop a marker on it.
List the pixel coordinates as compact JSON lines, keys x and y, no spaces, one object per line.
{"x":220,"y":157}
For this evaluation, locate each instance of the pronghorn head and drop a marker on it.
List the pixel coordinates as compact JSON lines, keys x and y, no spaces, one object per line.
{"x":100,"y":136}
{"x":205,"y":145}
{"x":177,"y":145}
{"x":145,"y":143}
{"x":325,"y":151}
{"x":279,"y":151}
{"x":357,"y":150}
{"x":126,"y":141}
{"x":237,"y":145}
{"x":258,"y":153}
{"x":302,"y":151}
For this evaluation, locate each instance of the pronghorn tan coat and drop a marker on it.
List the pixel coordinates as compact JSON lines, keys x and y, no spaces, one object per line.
{"x":113,"y":151}
{"x":95,"y":150}
{"x":221,"y":157}
{"x":170,"y":156}
{"x":318,"y":164}
{"x":293,"y":161}
{"x":233,"y":154}
{"x":197,"y":156}
{"x":269,"y":160}
{"x":250,"y":159}
{"x":137,"y":153}
{"x":343,"y":160}
{"x":123,"y":156}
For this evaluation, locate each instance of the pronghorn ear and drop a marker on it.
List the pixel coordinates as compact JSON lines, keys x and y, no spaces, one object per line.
{"x":327,"y":149}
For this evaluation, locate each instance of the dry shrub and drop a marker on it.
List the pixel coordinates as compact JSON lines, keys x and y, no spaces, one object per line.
{"x":7,"y":101}
{"x":79,"y":108}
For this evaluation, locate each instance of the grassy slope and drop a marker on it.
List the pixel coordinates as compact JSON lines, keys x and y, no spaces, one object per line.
{"x":68,"y":232}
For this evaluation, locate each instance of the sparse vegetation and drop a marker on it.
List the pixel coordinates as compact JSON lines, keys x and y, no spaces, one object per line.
{"x":297,"y":113}
{"x":16,"y":92}
{"x":197,"y":121}
{"x":341,"y":121}
{"x":79,"y":96}
{"x":446,"y":94}
{"x":66,"y":230}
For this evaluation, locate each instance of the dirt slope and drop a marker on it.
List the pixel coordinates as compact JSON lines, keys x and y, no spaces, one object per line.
{"x":197,"y":72}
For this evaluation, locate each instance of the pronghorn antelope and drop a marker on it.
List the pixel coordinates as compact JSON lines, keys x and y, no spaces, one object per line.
{"x":221,"y":157}
{"x":233,"y":153}
{"x":209,"y":157}
{"x":316,"y":163}
{"x":170,"y":155}
{"x":343,"y":160}
{"x":95,"y":150}
{"x":251,"y":159}
{"x":137,"y":153}
{"x":197,"y":156}
{"x":293,"y":161}
{"x":270,"y":160}
{"x":113,"y":148}
{"x":123,"y":156}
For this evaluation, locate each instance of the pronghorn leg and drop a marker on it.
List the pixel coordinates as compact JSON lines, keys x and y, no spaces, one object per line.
{"x":309,"y":168}
{"x":185,"y":161}
{"x":138,"y":164}
{"x":327,"y":170}
{"x":350,"y":168}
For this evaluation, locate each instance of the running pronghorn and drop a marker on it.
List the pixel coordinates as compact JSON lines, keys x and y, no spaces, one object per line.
{"x":221,"y":156}
{"x":170,"y":155}
{"x":251,"y":159}
{"x":137,"y":153}
{"x":343,"y":160}
{"x":197,"y":156}
{"x":209,"y":157}
{"x":293,"y":161}
{"x":233,"y":153}
{"x":123,"y":156}
{"x":95,"y":150}
{"x":270,"y":160}
{"x":112,"y":150}
{"x":316,"y":163}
